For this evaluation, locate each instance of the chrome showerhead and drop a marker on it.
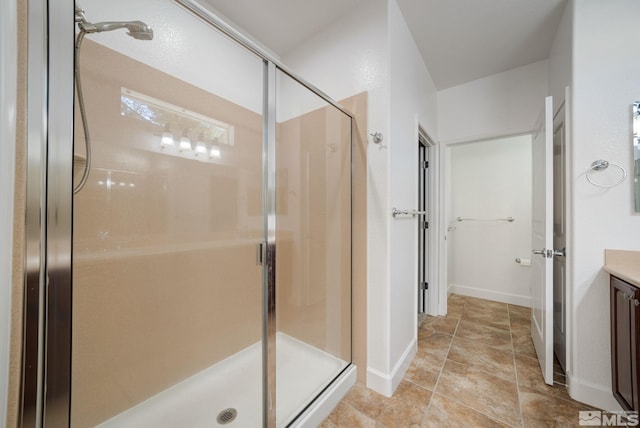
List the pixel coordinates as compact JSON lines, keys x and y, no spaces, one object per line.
{"x":136,"y":29}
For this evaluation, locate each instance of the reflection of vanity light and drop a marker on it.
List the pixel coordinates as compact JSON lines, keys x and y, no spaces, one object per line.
{"x":209,"y":134}
{"x":167,"y":140}
{"x":215,"y":151}
{"x":185,"y":143}
{"x":200,"y":148}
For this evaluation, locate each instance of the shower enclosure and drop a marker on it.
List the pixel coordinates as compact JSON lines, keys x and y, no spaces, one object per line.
{"x":201,"y":273}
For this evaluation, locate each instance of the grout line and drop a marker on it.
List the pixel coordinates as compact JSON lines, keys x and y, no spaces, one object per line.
{"x":444,"y":362}
{"x":515,"y":369}
{"x":455,"y":400}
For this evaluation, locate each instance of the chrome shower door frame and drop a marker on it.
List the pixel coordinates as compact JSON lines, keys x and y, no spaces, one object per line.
{"x":46,"y":383}
{"x":47,"y":342}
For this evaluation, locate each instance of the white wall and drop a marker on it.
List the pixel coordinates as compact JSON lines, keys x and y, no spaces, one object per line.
{"x":502,"y":104}
{"x":8,"y":76}
{"x":606,"y":67}
{"x":371,"y":49}
{"x":491,"y":179}
{"x":561,"y":57}
{"x":184,"y":47}
{"x":412,"y":95}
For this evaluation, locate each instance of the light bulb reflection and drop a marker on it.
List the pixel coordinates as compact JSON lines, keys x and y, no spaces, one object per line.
{"x":185,"y":143}
{"x":167,"y":140}
{"x":201,"y":148}
{"x":215,"y":151}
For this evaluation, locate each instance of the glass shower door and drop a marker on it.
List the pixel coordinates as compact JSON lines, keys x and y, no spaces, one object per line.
{"x":313,"y":235}
{"x":167,"y":293}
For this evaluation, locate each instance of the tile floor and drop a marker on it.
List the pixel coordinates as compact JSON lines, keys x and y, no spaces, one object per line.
{"x":476,"y":367}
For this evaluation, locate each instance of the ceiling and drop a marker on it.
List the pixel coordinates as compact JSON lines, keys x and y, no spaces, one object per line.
{"x":460,"y":40}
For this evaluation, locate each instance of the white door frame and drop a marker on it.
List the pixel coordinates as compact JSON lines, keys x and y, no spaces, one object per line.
{"x":444,"y":201}
{"x":434,"y":218}
{"x":568,"y":168}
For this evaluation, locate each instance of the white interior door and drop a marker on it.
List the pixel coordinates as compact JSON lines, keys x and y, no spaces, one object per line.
{"x":542,"y":241}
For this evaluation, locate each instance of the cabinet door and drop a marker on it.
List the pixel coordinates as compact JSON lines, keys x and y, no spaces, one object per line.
{"x":624,"y":343}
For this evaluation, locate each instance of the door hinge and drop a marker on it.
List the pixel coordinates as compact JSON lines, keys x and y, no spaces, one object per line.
{"x":425,"y":225}
{"x":425,"y":164}
{"x":424,"y":286}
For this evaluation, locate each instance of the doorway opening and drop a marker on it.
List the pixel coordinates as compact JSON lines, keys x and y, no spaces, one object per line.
{"x":423,"y":224}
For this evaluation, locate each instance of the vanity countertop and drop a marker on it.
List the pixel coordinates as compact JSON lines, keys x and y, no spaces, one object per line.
{"x":624,"y":264}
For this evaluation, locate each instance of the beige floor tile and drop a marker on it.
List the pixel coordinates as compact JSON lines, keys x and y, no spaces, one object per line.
{"x":445,"y":325}
{"x":468,"y":358}
{"x":497,"y":318}
{"x":434,"y":343}
{"x":530,"y":376}
{"x":495,"y":337}
{"x":456,"y":298}
{"x":483,"y":357}
{"x":487,"y":394}
{"x":407,"y":407}
{"x":455,"y":311}
{"x":542,"y":410}
{"x":519,"y":311}
{"x":522,"y":342}
{"x":473,"y":302}
{"x":428,"y":361}
{"x":444,"y":412}
{"x":344,"y":415}
{"x":421,"y":376}
{"x":366,"y":401}
{"x":520,"y":323}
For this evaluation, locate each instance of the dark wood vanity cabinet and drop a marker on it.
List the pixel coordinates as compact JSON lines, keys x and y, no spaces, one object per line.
{"x":625,"y":343}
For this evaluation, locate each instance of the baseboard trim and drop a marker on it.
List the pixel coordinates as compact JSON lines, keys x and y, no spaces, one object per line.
{"x":386,"y":384}
{"x":597,"y":396}
{"x":497,"y":296}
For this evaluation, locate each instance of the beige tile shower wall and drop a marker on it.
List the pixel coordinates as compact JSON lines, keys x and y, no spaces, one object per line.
{"x":15,"y":355}
{"x":314,"y":230}
{"x":165,"y":278}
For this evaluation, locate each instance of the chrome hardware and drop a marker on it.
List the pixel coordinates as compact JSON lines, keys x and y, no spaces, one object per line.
{"x":395,"y":212}
{"x":377,"y":137}
{"x":260,"y":253}
{"x":601,"y":165}
{"x":544,"y":253}
{"x":509,"y":219}
{"x":561,"y":253}
{"x":631,"y":299}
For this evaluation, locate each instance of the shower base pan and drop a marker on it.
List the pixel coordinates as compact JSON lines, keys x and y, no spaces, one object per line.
{"x":232,"y":389}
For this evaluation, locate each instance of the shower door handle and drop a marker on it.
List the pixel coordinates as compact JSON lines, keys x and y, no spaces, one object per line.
{"x":260,"y":253}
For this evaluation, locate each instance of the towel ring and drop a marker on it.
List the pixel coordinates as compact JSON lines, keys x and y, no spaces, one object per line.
{"x":601,"y":165}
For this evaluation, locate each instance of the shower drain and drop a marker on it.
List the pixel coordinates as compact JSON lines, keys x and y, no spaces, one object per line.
{"x":226,"y":416}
